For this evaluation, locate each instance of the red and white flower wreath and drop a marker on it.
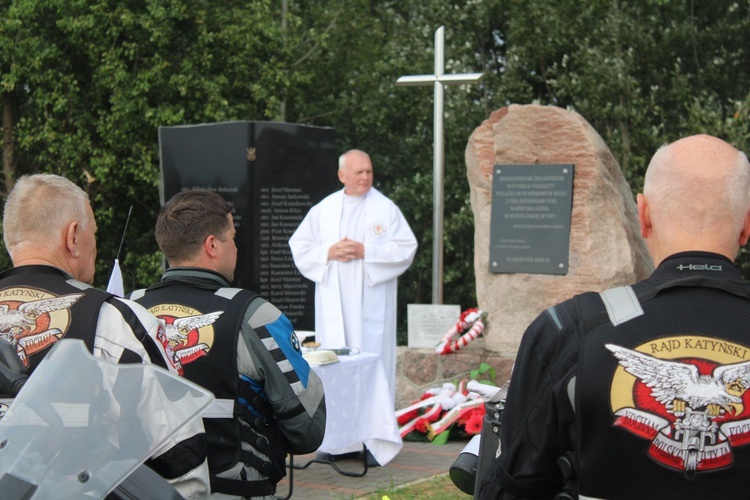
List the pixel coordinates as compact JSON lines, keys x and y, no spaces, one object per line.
{"x":469,"y":326}
{"x":440,"y":408}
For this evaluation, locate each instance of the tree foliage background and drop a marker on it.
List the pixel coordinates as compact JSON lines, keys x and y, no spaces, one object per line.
{"x":85,"y":84}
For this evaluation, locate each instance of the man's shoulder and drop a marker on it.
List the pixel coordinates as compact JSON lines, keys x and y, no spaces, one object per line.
{"x":330,"y":201}
{"x":259,"y":305}
{"x":194,"y":284}
{"x":123,"y":303}
{"x":581,"y":304}
{"x":27,"y":274}
{"x":331,"y":198}
{"x":375,"y":197}
{"x":127,"y":311}
{"x":564,"y":318}
{"x":374,"y":194}
{"x":234,"y":293}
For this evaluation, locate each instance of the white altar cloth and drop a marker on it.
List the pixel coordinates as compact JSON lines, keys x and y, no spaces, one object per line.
{"x":359,"y":408}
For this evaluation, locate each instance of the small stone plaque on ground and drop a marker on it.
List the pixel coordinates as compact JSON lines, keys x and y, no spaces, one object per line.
{"x":530,"y":219}
{"x":428,"y":323}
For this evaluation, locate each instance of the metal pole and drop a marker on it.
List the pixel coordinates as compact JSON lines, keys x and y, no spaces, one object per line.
{"x":438,"y":168}
{"x":438,"y":80}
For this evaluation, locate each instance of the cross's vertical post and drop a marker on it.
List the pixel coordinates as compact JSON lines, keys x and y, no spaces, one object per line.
{"x":438,"y":80}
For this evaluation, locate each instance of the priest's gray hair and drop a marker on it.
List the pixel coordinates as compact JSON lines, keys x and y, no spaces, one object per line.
{"x":343,"y":157}
{"x":39,"y":206}
{"x":695,"y":204}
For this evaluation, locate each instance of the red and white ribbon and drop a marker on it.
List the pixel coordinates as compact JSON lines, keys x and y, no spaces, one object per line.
{"x":452,"y":416}
{"x":470,"y":320}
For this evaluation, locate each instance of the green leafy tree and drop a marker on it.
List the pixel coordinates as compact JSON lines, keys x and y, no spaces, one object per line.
{"x":352,"y":88}
{"x":642,"y":73}
{"x":87,"y":84}
{"x":84,"y":86}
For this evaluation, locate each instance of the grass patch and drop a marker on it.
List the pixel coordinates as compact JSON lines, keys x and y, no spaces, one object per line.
{"x":435,"y":488}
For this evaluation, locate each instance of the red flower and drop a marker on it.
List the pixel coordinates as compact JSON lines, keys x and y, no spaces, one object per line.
{"x":474,"y":424}
{"x":407,"y":417}
{"x":421,"y":425}
{"x":467,"y":416}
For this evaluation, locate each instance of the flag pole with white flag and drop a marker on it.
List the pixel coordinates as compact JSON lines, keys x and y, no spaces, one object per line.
{"x":116,"y":285}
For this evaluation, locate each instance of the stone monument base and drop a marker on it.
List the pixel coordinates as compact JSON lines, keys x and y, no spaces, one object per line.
{"x":418,"y":370}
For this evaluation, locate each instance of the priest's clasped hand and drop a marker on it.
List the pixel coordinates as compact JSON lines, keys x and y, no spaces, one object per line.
{"x":346,"y":250}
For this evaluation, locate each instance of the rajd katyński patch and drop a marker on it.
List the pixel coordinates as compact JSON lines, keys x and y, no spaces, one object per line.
{"x":688,"y":395}
{"x":32,"y":320}
{"x":189,"y":334}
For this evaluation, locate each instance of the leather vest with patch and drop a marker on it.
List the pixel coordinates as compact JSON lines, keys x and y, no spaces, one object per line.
{"x":203,"y":325}
{"x":662,"y":394}
{"x":40,"y":305}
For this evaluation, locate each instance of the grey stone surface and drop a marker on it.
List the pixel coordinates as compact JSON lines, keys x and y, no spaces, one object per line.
{"x":423,"y":369}
{"x":419,"y":368}
{"x":503,"y":368}
{"x":606,"y":248}
{"x":460,"y":363}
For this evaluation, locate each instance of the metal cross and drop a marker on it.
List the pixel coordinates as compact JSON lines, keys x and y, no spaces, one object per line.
{"x":438,"y":80}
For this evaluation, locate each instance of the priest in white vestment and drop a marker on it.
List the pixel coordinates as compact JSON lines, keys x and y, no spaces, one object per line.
{"x":354,"y":245}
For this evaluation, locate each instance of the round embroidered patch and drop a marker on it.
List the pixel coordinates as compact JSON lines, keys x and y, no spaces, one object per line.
{"x":377,"y":230}
{"x":32,"y":319}
{"x":686,"y":394}
{"x":189,"y":334}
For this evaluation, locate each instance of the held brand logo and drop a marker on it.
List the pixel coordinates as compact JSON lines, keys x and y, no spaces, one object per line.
{"x":699,"y":267}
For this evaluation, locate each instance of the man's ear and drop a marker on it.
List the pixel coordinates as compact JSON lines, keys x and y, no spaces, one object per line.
{"x":71,"y":239}
{"x":644,"y":216}
{"x":341,"y":176}
{"x":745,"y":233}
{"x":209,"y":245}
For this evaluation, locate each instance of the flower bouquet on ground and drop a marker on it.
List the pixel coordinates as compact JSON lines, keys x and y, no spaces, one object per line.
{"x":441,"y":413}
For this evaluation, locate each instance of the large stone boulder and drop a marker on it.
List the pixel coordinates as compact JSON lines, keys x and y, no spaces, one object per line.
{"x":606,"y":248}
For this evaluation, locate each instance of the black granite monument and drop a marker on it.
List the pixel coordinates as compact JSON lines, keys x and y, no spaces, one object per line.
{"x":271,"y":173}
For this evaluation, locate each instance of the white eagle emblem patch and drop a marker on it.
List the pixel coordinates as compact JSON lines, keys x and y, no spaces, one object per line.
{"x":32,"y":319}
{"x":189,"y":334}
{"x":687,"y":395}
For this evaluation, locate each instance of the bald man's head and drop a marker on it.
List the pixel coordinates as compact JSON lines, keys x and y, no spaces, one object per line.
{"x":698,"y":185}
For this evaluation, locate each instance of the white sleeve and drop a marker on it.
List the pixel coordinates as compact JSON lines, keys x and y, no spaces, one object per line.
{"x":114,"y":335}
{"x":309,"y":252}
{"x":386,"y":262}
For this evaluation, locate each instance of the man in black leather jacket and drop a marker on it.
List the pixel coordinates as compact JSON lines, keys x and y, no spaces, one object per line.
{"x":236,"y":344}
{"x":641,"y":392}
{"x":49,"y":231}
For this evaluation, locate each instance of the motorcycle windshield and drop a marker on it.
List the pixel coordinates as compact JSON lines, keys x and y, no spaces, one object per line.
{"x":81,"y":424}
